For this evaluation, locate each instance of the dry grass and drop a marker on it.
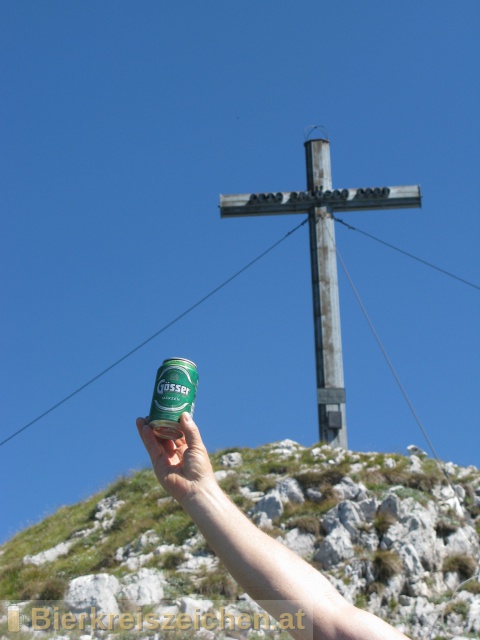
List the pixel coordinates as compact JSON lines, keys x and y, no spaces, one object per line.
{"x":445,"y":526}
{"x":306,"y":523}
{"x":387,"y":564}
{"x":382,"y":522}
{"x":460,"y":607}
{"x":217,"y":583}
{"x":461,"y":563}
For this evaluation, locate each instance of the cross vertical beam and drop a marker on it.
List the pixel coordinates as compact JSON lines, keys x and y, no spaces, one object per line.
{"x":320,"y":202}
{"x":326,"y":306}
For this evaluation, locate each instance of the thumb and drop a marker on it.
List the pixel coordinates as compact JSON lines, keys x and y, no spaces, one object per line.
{"x":190,"y":429}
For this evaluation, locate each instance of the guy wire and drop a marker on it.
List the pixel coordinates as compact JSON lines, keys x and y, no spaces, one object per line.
{"x":157,"y":333}
{"x":406,"y":253}
{"x":394,"y":373}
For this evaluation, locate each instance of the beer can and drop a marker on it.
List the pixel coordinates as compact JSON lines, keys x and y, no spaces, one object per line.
{"x":174,"y":393}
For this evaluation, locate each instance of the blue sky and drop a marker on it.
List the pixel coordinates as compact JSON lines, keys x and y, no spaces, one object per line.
{"x":122,"y":122}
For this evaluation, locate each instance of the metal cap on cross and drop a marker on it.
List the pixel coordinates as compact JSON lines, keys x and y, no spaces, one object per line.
{"x":320,"y":202}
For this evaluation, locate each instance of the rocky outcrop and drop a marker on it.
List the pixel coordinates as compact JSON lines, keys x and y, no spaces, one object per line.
{"x":97,"y":591}
{"x":49,"y":555}
{"x":394,"y":534}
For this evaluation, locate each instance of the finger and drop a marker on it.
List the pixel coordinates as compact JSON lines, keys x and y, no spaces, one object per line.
{"x":168,"y":446}
{"x":140,"y":422}
{"x":190,"y":429}
{"x":152,"y":445}
{"x":181,"y":450}
{"x":180,"y":441}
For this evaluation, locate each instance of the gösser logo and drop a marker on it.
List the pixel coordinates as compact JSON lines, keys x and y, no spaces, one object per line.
{"x":165,"y":387}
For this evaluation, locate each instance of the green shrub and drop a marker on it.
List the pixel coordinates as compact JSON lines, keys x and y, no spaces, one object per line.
{"x":393,"y":604}
{"x":416,"y":494}
{"x":361,"y":601}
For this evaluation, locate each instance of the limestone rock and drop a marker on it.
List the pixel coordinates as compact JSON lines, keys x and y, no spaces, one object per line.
{"x":194,"y":606}
{"x":263,"y":521}
{"x":345,"y":514}
{"x":413,"y":450}
{"x":290,"y":490}
{"x":254,"y":496}
{"x":390,"y":463}
{"x":415,"y":526}
{"x":368,"y":540}
{"x":315,"y":495}
{"x":300,"y":542}
{"x":132,"y":555}
{"x":97,"y":590}
{"x":106,"y":511}
{"x":232,"y":459}
{"x":285,"y":448}
{"x":452,"y":580}
{"x":49,"y":555}
{"x":463,"y":540}
{"x":390,"y":506}
{"x":473,"y":619}
{"x":271,"y":504}
{"x":222,"y":474}
{"x":368,"y":507}
{"x":198,"y":563}
{"x":335,"y":548}
{"x":347,"y":489}
{"x":422,"y":528}
{"x":146,"y":587}
{"x":411,"y":562}
{"x":317,"y":453}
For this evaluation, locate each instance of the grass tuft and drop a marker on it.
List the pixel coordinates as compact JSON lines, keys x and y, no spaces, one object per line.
{"x":461,"y":563}
{"x":382,"y":522}
{"x":460,"y":607}
{"x":387,"y":564}
{"x":217,"y":583}
{"x":306,"y":523}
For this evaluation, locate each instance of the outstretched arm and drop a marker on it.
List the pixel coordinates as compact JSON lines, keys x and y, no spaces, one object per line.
{"x":267,"y":570}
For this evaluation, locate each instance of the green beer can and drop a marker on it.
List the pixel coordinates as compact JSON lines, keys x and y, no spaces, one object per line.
{"x":174,"y":393}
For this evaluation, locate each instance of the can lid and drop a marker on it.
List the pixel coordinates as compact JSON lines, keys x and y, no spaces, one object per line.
{"x":181,"y":360}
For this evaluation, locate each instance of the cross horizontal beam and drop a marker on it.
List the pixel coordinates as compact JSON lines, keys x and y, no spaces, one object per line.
{"x":336,"y":200}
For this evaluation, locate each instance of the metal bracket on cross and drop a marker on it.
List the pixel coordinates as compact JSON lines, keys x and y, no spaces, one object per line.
{"x":336,"y":201}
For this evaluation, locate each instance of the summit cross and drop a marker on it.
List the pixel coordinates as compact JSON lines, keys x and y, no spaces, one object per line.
{"x":320,"y":202}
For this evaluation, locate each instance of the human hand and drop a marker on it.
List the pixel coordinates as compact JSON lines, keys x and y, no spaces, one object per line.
{"x":180,"y":465}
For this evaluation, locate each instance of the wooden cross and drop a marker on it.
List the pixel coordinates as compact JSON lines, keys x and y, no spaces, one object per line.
{"x":321,"y":202}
